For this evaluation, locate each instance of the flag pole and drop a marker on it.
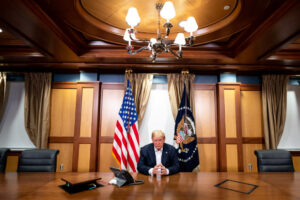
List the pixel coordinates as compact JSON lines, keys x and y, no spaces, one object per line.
{"x":185,"y":74}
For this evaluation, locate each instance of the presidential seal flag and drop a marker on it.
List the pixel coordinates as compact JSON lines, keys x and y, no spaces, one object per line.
{"x":185,"y":138}
{"x":126,"y":146}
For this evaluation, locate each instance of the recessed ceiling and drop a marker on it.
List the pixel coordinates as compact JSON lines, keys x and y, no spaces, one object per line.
{"x":113,"y":12}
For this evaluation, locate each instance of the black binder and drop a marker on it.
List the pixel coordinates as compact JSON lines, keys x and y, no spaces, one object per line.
{"x":73,"y":185}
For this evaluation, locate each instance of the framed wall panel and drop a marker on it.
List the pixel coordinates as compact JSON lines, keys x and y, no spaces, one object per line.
{"x":63,"y":108}
{"x":86,"y":110}
{"x":84,"y":153}
{"x":252,"y":125}
{"x":205,"y":112}
{"x":106,"y":158}
{"x":111,"y":100}
{"x":250,"y":160}
{"x":64,"y":158}
{"x":230,"y":113}
{"x":232,"y":161}
{"x":229,"y":129}
{"x":251,"y":111}
{"x":208,"y":157}
{"x":205,"y":115}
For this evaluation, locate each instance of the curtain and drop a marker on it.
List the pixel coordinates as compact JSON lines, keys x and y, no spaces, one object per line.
{"x":274,"y":98}
{"x":2,"y":92}
{"x":141,"y":87}
{"x":37,"y":107}
{"x":175,"y":86}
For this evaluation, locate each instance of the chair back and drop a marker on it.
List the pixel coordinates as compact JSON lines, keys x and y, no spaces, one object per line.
{"x":3,"y":158}
{"x":274,"y":161}
{"x":38,"y":160}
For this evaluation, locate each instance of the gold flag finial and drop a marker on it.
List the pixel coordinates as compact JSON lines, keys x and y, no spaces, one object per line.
{"x":185,"y":72}
{"x":128,"y":71}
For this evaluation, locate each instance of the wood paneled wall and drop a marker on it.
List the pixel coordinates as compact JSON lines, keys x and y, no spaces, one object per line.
{"x":240,"y":126}
{"x":228,"y":120}
{"x":74,"y":125}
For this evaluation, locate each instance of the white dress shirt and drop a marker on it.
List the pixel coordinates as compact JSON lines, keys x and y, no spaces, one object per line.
{"x":158,"y":155}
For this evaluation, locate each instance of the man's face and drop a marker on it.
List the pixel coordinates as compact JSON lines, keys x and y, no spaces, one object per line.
{"x":158,"y":142}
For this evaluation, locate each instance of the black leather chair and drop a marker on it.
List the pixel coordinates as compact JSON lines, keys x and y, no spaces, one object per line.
{"x":3,"y":158}
{"x":274,"y":161}
{"x":38,"y":160}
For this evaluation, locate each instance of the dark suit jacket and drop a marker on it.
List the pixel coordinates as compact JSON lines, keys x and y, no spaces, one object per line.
{"x":147,"y":160}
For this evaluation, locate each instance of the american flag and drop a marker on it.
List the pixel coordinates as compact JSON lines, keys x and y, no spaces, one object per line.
{"x":126,"y":146}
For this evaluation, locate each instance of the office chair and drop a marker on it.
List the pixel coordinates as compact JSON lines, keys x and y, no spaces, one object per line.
{"x":38,"y":160}
{"x":3,"y":158}
{"x":274,"y":161}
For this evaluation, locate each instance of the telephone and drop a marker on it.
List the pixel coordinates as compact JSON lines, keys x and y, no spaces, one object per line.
{"x":124,"y":178}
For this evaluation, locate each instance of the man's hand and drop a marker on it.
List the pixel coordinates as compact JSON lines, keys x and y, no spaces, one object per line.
{"x":160,"y":169}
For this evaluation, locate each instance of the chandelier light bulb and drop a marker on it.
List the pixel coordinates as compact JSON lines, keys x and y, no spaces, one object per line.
{"x":180,"y":40}
{"x":191,"y":25}
{"x":168,"y":11}
{"x":132,"y":17}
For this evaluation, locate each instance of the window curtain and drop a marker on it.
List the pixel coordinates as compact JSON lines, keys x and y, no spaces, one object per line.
{"x":141,"y":87}
{"x":274,"y":102}
{"x":37,"y":107}
{"x":2,"y":92}
{"x":175,"y":87}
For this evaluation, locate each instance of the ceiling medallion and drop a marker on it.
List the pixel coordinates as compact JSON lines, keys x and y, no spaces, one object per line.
{"x":161,"y":43}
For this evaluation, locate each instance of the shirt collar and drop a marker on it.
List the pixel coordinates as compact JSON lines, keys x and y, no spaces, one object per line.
{"x":155,"y":150}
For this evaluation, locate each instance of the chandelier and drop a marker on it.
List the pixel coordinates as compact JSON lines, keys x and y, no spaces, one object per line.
{"x":161,"y":43}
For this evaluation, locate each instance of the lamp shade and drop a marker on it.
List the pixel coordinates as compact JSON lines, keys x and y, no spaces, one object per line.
{"x":180,"y":40}
{"x":191,"y":25}
{"x":132,"y":17}
{"x":168,"y":11}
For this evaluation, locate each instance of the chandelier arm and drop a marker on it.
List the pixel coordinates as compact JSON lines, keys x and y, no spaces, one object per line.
{"x":137,"y":40}
{"x":131,"y":52}
{"x":167,"y":33}
{"x":178,"y":56}
{"x":140,"y":41}
{"x":168,"y":27}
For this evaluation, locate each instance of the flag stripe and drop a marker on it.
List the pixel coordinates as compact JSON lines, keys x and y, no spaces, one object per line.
{"x":135,"y":133}
{"x":126,"y":148}
{"x":132,"y":147}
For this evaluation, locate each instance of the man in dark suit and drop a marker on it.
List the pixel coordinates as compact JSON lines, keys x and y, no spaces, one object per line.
{"x":158,"y":157}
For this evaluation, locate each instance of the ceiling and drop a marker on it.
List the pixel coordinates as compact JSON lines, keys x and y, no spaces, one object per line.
{"x":256,"y":36}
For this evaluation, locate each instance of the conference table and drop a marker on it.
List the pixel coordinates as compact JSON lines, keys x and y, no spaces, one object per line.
{"x":184,"y":186}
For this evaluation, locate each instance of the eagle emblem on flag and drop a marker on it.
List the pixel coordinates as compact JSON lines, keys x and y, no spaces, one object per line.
{"x":186,"y":132}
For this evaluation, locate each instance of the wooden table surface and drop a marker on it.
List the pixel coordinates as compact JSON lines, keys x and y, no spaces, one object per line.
{"x":184,"y":186}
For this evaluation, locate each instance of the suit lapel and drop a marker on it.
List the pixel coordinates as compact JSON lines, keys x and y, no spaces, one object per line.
{"x":164,"y":155}
{"x":152,"y":155}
